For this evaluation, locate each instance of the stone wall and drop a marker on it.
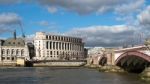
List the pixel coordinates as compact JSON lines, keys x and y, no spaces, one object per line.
{"x":63,"y":64}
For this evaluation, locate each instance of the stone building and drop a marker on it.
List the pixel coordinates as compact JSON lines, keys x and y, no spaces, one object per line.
{"x":13,"y":48}
{"x":94,"y":54}
{"x":55,"y":47}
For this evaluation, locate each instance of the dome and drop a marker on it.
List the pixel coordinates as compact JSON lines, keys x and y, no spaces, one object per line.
{"x":14,"y":42}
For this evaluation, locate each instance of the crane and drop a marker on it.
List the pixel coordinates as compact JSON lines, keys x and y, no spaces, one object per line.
{"x":20,"y":24}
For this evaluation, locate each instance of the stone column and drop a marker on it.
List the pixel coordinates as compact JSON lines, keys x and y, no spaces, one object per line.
{"x":52,"y":45}
{"x":64,"y":46}
{"x":61,"y":45}
{"x":69,"y":46}
{"x":49,"y":44}
{"x":55,"y":44}
{"x":109,"y":59}
{"x":10,"y":54}
{"x":58,"y":45}
{"x":75,"y":47}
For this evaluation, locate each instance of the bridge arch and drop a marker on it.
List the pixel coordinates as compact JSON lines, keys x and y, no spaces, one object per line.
{"x":102,"y":60}
{"x":133,"y":61}
{"x":133,"y":53}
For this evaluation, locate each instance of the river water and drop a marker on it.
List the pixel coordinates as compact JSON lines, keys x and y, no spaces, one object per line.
{"x":47,"y":75}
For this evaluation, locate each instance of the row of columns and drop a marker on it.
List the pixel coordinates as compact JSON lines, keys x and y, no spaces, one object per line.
{"x":63,"y":38}
{"x":63,"y":46}
{"x":63,"y":53}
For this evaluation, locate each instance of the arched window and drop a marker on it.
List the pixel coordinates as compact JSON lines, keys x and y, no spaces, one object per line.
{"x":3,"y":51}
{"x":17,"y":52}
{"x":8,"y":51}
{"x":13,"y":52}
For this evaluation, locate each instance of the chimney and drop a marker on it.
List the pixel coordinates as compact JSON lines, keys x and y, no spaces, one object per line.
{"x":15,"y":34}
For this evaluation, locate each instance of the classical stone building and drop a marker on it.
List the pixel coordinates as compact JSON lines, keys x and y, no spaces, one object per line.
{"x":55,"y":47}
{"x":13,"y":48}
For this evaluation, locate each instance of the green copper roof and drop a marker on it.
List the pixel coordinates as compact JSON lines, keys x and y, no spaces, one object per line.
{"x":14,"y":42}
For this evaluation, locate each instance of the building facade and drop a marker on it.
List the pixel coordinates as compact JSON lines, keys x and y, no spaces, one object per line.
{"x":13,"y":48}
{"x":55,"y":47}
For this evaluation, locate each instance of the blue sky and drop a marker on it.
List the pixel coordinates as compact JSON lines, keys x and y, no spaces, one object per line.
{"x":99,"y":22}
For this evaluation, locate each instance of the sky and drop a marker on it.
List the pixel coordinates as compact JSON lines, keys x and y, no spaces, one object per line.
{"x":100,"y":23}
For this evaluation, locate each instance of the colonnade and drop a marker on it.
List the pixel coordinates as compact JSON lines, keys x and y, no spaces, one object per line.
{"x":63,"y":46}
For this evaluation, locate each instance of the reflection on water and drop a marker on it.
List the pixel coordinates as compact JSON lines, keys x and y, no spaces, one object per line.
{"x":47,"y":75}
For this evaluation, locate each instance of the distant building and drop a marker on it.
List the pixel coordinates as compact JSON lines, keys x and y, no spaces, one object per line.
{"x":94,"y":54}
{"x":55,"y":47}
{"x":13,"y":48}
{"x":96,"y":51}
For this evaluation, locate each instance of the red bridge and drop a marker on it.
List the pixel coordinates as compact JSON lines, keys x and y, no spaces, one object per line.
{"x":133,"y":59}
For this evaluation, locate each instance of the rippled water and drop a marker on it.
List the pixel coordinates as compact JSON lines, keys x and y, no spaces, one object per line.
{"x":47,"y":75}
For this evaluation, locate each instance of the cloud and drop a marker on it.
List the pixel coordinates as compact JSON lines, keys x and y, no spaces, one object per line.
{"x":8,"y":21}
{"x":47,"y":24}
{"x":85,"y":6}
{"x":9,"y":18}
{"x":130,"y":7}
{"x":43,"y":23}
{"x":143,"y":21}
{"x":105,"y":36}
{"x":30,"y":38}
{"x":143,"y":17}
{"x":90,"y":6}
{"x":3,"y":29}
{"x":52,"y":9}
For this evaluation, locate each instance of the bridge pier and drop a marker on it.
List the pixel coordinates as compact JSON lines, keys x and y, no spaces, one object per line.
{"x":145,"y":75}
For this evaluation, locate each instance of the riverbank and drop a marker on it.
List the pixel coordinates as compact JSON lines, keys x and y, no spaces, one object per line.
{"x":145,"y":75}
{"x":60,"y":64}
{"x":45,"y":63}
{"x":109,"y":68}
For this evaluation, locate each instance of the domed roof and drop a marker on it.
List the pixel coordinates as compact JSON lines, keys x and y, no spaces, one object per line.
{"x":14,"y":42}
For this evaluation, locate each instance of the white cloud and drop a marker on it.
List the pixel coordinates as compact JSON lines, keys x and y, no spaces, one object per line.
{"x":143,"y":17}
{"x":8,"y":21}
{"x":130,"y":7}
{"x":30,"y":38}
{"x":106,"y":36}
{"x":52,"y":9}
{"x":9,"y":18}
